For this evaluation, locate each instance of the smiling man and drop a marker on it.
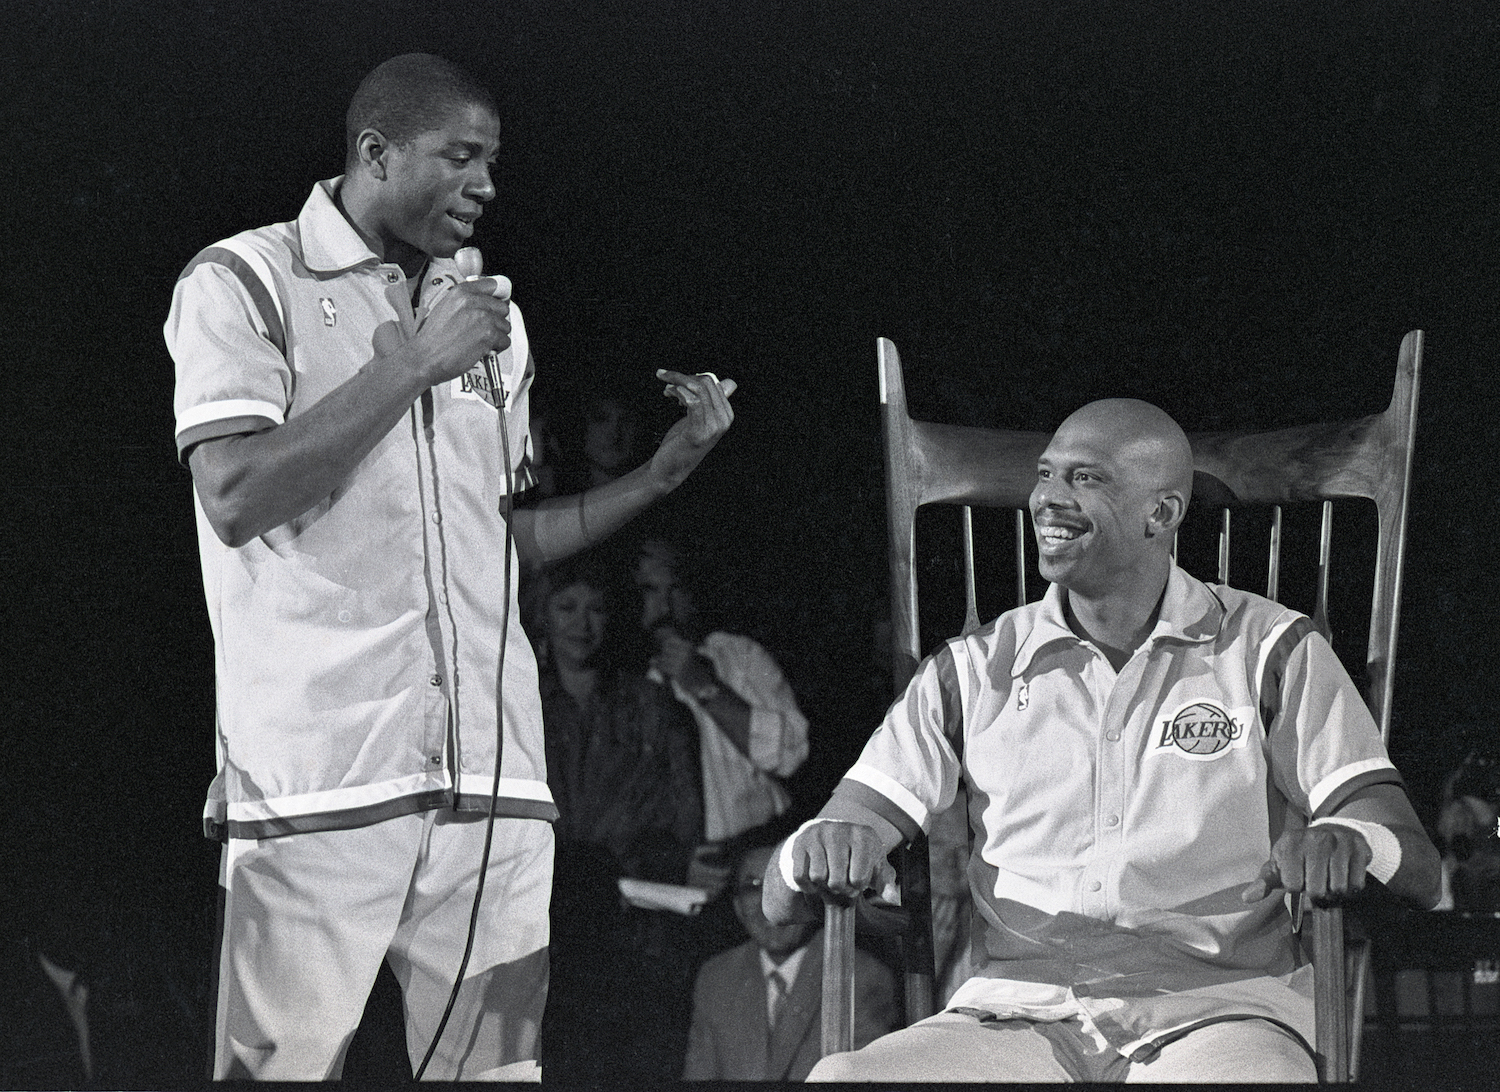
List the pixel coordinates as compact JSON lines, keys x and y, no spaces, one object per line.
{"x":1150,"y":763}
{"x":353,"y":406}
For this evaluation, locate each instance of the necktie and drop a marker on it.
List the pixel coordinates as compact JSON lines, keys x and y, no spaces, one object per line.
{"x":775,"y":998}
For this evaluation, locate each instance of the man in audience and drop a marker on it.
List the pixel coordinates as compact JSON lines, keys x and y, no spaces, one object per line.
{"x":1469,"y":828}
{"x":750,"y":730}
{"x":757,"y":1007}
{"x":1152,"y":765}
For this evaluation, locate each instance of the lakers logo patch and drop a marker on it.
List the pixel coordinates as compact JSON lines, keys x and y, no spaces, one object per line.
{"x":1201,"y":731}
{"x":476,"y":384}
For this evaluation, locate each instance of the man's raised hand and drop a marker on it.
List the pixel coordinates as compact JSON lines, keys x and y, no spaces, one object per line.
{"x":705,"y":398}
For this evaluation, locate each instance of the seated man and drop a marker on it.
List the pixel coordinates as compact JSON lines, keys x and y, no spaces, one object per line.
{"x":751,"y":1026}
{"x":1150,"y":763}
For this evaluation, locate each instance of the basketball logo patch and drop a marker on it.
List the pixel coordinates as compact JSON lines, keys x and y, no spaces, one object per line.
{"x":1201,"y":731}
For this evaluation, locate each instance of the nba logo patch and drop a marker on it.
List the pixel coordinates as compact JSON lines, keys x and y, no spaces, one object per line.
{"x":330,"y":312}
{"x":1201,"y":731}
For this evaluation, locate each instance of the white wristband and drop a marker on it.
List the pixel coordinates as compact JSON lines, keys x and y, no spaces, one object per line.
{"x":784,"y":858}
{"x":1385,"y":847}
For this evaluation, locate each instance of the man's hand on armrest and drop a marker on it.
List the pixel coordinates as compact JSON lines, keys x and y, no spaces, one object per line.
{"x":838,"y":856}
{"x":1329,"y":860}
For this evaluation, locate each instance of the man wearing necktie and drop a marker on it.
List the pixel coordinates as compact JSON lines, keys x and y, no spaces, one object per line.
{"x":756,"y":1007}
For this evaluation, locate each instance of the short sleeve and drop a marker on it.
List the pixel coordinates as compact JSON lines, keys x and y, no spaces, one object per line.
{"x":1324,"y":744}
{"x":227,"y":340}
{"x":909,"y":769}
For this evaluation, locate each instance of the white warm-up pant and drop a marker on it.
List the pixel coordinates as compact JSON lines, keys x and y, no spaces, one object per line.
{"x":956,"y":1047}
{"x":308,"y":918}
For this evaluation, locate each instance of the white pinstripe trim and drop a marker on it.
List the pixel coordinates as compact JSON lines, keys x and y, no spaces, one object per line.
{"x":520,"y":346}
{"x":253,"y":259}
{"x":892,"y":790}
{"x":1267,"y":645}
{"x":960,"y":649}
{"x":314,"y":803}
{"x":511,"y":788}
{"x":1340,"y":777}
{"x":227,"y":409}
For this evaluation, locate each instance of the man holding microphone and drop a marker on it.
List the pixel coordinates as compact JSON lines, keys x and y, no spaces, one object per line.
{"x":353,"y":467}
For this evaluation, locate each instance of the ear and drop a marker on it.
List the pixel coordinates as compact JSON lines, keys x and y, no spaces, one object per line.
{"x":374,"y":153}
{"x":1167,"y":516}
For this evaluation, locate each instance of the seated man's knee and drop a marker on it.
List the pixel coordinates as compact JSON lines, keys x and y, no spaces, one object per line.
{"x":1233,"y":1051}
{"x":948,"y":1047}
{"x":835,"y":1069}
{"x":910,"y":1054}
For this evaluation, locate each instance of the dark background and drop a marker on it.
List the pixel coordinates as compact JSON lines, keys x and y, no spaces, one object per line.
{"x":1233,"y":210}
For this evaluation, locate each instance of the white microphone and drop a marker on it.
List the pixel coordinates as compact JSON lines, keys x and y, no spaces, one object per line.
{"x":470,"y":264}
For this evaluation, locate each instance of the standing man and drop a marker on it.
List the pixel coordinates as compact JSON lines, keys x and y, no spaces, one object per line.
{"x":1151,"y":764}
{"x":353,"y":467}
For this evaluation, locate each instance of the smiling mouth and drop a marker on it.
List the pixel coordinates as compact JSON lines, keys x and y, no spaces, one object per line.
{"x":1053,"y":535}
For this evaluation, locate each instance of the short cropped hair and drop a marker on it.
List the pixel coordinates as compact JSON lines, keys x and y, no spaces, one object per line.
{"x":407,"y":96}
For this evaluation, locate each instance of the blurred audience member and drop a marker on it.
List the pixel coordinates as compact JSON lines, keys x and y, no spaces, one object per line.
{"x":757,"y":1007}
{"x":621,"y":759}
{"x":610,"y":425}
{"x":750,"y":730}
{"x":1469,"y":832}
{"x":44,"y":1028}
{"x":96,"y":991}
{"x":623,"y":770}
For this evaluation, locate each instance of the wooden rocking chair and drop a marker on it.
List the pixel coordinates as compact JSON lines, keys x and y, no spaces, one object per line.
{"x":929,"y":463}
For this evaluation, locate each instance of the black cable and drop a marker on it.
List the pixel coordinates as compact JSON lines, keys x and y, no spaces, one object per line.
{"x":489,"y":826}
{"x":1147,"y":1051}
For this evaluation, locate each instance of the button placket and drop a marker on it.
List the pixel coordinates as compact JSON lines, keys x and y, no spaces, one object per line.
{"x":1113,"y":764}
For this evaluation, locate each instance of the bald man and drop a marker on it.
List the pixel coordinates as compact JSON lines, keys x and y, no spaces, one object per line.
{"x":1152,"y":763}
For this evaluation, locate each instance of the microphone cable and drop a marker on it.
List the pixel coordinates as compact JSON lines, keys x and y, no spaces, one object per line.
{"x":492,"y":370}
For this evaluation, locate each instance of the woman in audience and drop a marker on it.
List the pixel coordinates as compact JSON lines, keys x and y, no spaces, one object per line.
{"x":622,"y":765}
{"x":621,"y":759}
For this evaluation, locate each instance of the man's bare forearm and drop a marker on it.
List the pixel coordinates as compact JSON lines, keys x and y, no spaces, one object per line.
{"x":1419,"y":877}
{"x":560,"y":527}
{"x":250,"y":484}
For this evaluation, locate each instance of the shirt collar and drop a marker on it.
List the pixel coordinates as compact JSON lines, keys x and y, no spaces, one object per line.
{"x":788,"y":968}
{"x":1190,"y":612}
{"x":329,"y":241}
